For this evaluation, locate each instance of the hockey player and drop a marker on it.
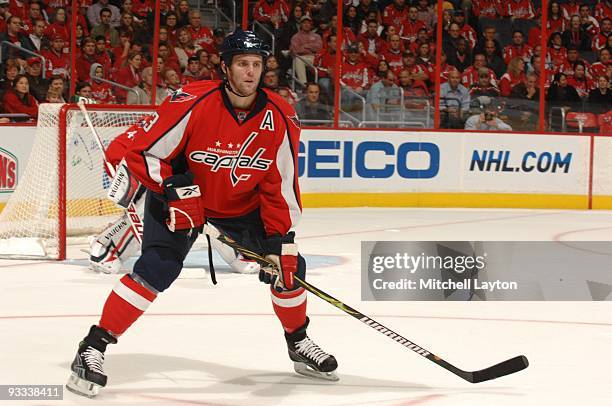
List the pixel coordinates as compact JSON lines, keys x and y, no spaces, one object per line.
{"x":225,"y":153}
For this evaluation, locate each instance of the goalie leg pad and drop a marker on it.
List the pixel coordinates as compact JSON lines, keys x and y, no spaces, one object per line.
{"x":113,"y":246}
{"x":234,"y":259}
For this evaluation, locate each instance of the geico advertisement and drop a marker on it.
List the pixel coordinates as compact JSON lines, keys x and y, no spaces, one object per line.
{"x":388,"y":161}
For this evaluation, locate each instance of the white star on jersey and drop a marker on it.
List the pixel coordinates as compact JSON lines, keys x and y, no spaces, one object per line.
{"x":230,"y":145}
{"x":217,"y":144}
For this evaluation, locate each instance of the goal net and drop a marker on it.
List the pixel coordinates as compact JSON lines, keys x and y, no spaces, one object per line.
{"x":61,"y":195}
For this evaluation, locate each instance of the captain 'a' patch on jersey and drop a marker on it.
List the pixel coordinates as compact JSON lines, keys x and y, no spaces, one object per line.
{"x":268,"y":121}
{"x":180,"y":96}
{"x":218,"y":157}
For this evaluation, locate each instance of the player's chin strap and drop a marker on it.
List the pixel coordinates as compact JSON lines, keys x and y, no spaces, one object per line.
{"x":229,"y":87}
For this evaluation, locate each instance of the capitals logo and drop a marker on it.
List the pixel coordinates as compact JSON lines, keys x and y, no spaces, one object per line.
{"x":179,"y":96}
{"x":240,"y":160}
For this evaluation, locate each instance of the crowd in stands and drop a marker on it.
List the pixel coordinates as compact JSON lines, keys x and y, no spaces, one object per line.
{"x":490,"y":67}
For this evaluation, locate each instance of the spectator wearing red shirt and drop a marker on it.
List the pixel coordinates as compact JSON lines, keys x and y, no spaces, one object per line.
{"x":4,"y":6}
{"x":518,"y":48}
{"x":85,"y":59}
{"x":603,"y":10}
{"x":101,"y":92}
{"x":304,"y":46}
{"x":600,"y":40}
{"x":600,"y":68}
{"x":172,"y":27}
{"x":185,"y":48}
{"x":556,"y":51}
{"x":354,"y":74}
{"x":102,"y":54}
{"x":418,"y":72}
{"x":445,"y":68}
{"x":18,"y":100}
{"x":588,"y":22}
{"x":34,"y":14}
{"x":580,"y":81}
{"x":349,"y":37}
{"x":128,"y":76}
{"x":202,"y":36}
{"x":141,"y":8}
{"x":370,"y":39}
{"x":411,"y":25}
{"x":166,"y":53}
{"x":483,"y":86}
{"x":470,"y":75}
{"x":425,"y":60}
{"x":59,"y":28}
{"x":395,"y":14}
{"x":393,"y":54}
{"x":556,"y":19}
{"x":570,"y":8}
{"x":272,"y":13}
{"x":422,"y":38}
{"x":192,"y":73}
{"x":19,"y":9}
{"x":58,"y":63}
{"x":514,"y":75}
{"x":465,"y":30}
{"x":573,"y":57}
{"x":519,"y":9}
{"x":487,"y":8}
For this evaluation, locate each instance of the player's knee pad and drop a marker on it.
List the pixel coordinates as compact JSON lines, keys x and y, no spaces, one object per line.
{"x":113,"y":246}
{"x":159,"y":267}
{"x":234,"y":259}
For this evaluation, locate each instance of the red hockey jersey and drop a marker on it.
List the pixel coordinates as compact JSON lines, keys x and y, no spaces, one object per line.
{"x":240,"y":163}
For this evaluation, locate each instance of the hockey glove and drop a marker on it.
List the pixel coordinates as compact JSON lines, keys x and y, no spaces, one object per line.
{"x":185,"y":209}
{"x":281,"y":276}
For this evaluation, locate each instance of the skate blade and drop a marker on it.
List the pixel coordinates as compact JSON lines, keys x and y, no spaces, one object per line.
{"x":81,"y":386}
{"x":305,"y":370}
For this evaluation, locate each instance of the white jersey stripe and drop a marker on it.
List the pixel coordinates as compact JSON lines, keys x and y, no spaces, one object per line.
{"x":286,"y":168}
{"x":131,"y":297}
{"x":289,"y":302}
{"x":163,"y":147}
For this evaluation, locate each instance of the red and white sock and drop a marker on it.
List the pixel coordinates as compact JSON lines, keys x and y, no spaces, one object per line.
{"x":125,"y":304}
{"x":290,"y":308}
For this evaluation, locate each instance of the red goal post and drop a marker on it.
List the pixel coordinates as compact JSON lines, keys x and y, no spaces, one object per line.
{"x":61,"y":195}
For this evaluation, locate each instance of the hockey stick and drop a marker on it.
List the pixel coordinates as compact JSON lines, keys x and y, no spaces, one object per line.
{"x":135,"y":220}
{"x":507,"y":367}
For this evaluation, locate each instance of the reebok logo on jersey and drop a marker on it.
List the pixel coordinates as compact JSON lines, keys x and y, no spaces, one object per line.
{"x":179,"y":96}
{"x":240,"y":160}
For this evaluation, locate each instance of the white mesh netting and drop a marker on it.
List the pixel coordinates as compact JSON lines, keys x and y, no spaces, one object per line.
{"x":29,"y":223}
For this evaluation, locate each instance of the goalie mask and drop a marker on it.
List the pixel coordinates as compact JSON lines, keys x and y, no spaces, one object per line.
{"x":240,"y":43}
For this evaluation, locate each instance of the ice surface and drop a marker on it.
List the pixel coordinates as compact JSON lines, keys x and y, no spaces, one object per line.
{"x":221,"y":345}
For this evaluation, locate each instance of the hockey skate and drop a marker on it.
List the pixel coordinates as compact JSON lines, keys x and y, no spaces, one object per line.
{"x":87,"y":374}
{"x":308,"y":358}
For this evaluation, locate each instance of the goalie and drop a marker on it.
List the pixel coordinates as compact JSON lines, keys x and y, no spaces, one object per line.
{"x":117,"y":242}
